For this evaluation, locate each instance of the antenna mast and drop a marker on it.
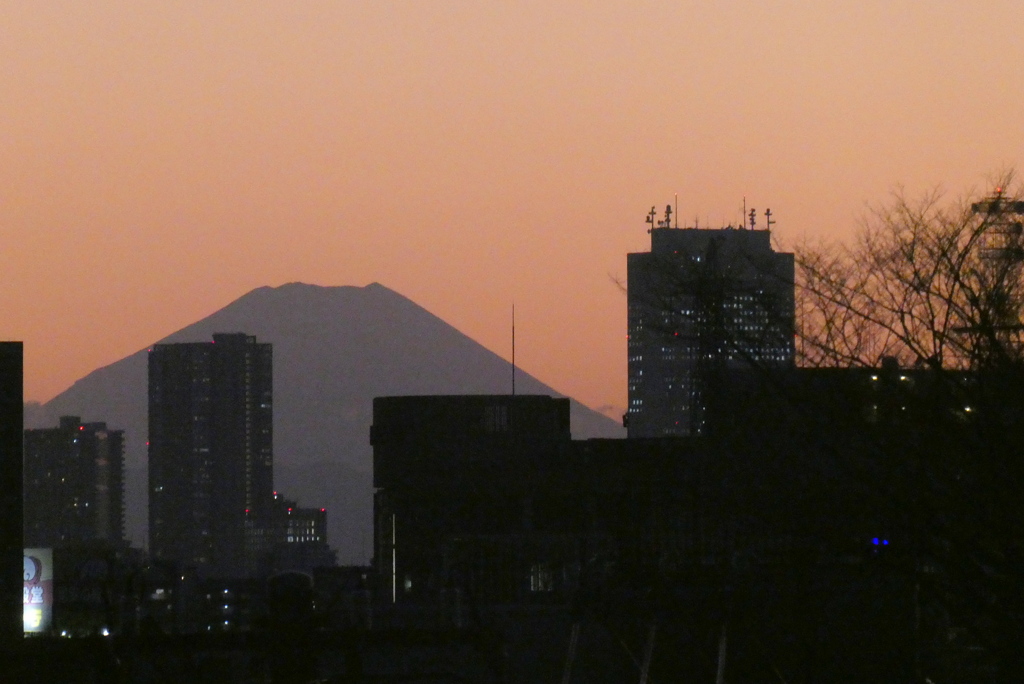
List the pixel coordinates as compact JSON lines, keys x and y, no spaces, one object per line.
{"x":513,"y":349}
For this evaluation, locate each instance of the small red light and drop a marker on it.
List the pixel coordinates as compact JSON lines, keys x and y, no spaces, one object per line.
{"x":81,"y":427}
{"x":289,"y":510}
{"x":323,"y":510}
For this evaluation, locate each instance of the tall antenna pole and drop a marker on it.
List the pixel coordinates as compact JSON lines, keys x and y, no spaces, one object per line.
{"x":513,"y":349}
{"x":677,"y":210}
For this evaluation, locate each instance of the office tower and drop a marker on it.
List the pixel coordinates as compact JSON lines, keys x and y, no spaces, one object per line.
{"x":704,"y":306}
{"x":11,"y":539}
{"x":74,"y":484}
{"x":210,"y":451}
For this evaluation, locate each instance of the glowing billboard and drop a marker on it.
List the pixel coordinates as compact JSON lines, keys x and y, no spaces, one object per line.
{"x":37,"y":596}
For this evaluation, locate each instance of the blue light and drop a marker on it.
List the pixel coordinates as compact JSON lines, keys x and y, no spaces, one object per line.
{"x":885,"y":542}
{"x":875,"y":541}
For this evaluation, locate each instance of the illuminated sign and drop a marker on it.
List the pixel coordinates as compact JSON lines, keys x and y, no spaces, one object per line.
{"x":37,"y":596}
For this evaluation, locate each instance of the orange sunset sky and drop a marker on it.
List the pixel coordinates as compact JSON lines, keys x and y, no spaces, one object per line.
{"x":160,"y":159}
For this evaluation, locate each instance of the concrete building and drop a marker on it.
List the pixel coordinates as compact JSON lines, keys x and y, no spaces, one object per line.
{"x":702,"y":305}
{"x":210,"y":451}
{"x":74,"y":484}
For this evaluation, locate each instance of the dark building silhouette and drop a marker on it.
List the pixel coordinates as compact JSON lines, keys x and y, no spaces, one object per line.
{"x":487,"y":514}
{"x":74,"y":484}
{"x":210,"y":451}
{"x":453,"y":476}
{"x":702,"y":304}
{"x":490,"y":494}
{"x":12,"y":409}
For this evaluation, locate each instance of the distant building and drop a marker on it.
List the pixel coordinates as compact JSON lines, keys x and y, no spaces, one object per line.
{"x":295,"y":540}
{"x":702,"y":304}
{"x":210,"y":451}
{"x":74,"y":484}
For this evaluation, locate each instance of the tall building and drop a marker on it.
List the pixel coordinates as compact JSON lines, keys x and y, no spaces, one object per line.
{"x":210,"y":451}
{"x":74,"y":484}
{"x":703,"y":306}
{"x":12,"y":417}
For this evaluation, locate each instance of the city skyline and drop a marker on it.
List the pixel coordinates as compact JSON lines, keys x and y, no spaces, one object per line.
{"x":162,"y":161}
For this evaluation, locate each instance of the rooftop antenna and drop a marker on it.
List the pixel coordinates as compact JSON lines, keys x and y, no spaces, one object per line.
{"x":743,"y":218}
{"x":650,"y":218}
{"x":677,"y":210}
{"x":768,"y":219}
{"x":513,"y":349}
{"x":667,"y":223}
{"x":753,"y":218}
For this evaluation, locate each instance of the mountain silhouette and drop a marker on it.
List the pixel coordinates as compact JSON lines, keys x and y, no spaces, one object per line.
{"x":335,"y":349}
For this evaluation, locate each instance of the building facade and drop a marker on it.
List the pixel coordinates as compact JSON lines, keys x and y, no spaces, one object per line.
{"x":210,"y":451}
{"x":12,"y":407}
{"x":74,"y":484}
{"x":702,"y":305}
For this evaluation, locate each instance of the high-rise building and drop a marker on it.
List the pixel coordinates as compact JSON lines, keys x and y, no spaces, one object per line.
{"x":210,"y":451}
{"x":12,"y":417}
{"x":74,"y":484}
{"x":703,"y":306}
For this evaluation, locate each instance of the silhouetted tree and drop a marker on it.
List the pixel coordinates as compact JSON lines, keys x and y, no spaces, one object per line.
{"x":936,"y":288}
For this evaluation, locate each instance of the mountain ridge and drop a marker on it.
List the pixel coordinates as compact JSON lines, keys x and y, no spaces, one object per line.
{"x":335,"y":348}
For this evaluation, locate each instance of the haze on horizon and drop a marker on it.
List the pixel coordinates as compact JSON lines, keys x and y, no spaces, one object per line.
{"x":162,"y":159}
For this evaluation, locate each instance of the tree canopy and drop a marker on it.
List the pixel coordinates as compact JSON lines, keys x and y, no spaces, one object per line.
{"x":937,"y":288}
